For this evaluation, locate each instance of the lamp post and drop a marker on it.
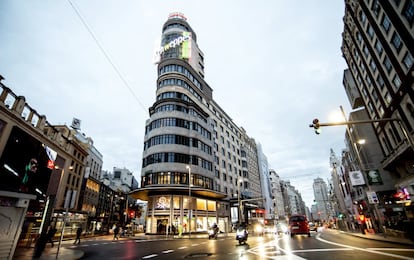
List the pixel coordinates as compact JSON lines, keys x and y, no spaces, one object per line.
{"x":189,"y":200}
{"x":239,"y":208}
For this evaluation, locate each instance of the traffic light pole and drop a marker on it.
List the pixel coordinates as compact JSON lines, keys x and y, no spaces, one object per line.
{"x":400,"y":122}
{"x":315,"y":124}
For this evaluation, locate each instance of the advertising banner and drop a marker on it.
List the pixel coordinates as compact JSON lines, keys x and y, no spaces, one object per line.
{"x":356,"y":178}
{"x":374,"y":177}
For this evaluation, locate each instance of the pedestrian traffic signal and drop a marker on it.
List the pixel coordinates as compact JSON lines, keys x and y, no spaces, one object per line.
{"x":362,"y":218}
{"x":316,"y":125}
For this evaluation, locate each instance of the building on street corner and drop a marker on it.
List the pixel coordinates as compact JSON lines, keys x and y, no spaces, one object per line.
{"x":196,"y":162}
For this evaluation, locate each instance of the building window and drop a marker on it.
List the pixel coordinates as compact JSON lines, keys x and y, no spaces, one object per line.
{"x":373,"y":66}
{"x":387,"y":64}
{"x":381,"y":111}
{"x":386,"y":24}
{"x":363,"y":17}
{"x":396,"y":42}
{"x":370,"y":31}
{"x":388,"y":99}
{"x":375,"y":96}
{"x":408,"y":11}
{"x":375,"y":7}
{"x":366,"y":52}
{"x":408,"y":60}
{"x":380,"y":82}
{"x":397,"y":82}
{"x":359,"y":37}
{"x":378,"y":47}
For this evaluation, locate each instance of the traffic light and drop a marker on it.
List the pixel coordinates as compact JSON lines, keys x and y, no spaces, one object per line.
{"x":362,"y":218}
{"x":316,"y":125}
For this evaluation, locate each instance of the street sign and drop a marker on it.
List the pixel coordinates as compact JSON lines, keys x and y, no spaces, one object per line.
{"x":372,"y":197}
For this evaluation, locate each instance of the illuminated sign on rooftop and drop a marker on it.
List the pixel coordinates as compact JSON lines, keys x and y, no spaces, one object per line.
{"x":177,"y":15}
{"x":180,"y":40}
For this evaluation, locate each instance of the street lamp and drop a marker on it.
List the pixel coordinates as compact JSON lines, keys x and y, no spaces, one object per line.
{"x":239,"y":211}
{"x":189,"y":200}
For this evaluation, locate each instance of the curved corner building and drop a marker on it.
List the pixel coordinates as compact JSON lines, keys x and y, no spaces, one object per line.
{"x":192,"y":149}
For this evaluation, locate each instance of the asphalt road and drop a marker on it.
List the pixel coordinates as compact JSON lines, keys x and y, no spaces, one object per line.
{"x":326,"y":245}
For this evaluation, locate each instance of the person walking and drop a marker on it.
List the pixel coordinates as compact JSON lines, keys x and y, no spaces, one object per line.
{"x":180,"y":230}
{"x":78,"y":235}
{"x":50,"y":235}
{"x":116,"y":232}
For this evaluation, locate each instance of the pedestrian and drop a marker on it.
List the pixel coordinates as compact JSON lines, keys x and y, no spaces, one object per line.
{"x":78,"y":235}
{"x":180,"y":230}
{"x":50,"y":235}
{"x":116,"y":232}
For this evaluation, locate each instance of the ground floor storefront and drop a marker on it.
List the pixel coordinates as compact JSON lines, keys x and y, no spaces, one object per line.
{"x":171,"y":213}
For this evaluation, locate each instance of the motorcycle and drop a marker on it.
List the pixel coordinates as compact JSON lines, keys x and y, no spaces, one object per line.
{"x":213,"y":232}
{"x":241,"y":235}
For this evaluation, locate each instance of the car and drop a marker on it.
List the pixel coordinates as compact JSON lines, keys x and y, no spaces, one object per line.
{"x":281,"y":228}
{"x":312,"y":226}
{"x":299,"y":225}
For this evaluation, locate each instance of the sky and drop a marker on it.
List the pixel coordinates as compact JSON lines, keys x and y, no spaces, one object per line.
{"x":273,"y":66}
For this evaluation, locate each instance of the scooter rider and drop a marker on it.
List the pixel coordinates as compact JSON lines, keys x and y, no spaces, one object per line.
{"x":242,"y":234}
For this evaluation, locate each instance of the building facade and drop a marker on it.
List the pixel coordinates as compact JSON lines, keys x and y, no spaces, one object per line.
{"x":195,"y":158}
{"x":278,"y":205}
{"x":377,"y":46}
{"x":60,"y":159}
{"x":322,"y":200}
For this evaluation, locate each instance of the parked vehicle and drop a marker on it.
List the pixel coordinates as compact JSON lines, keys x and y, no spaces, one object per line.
{"x":241,"y":235}
{"x":298,"y":225}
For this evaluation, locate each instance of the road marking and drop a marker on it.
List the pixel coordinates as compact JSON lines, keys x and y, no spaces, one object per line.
{"x":183,"y":247}
{"x":363,"y":249}
{"x":321,"y":250}
{"x":194,"y":244}
{"x":149,"y":256}
{"x":391,"y":249}
{"x":167,"y":251}
{"x":287,"y":254}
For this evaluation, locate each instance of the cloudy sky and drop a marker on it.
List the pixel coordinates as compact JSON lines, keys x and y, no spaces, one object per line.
{"x":273,"y":66}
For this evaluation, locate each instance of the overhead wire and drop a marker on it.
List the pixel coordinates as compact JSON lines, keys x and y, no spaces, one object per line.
{"x":105,"y":53}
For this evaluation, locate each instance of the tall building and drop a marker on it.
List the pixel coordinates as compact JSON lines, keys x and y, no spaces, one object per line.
{"x":197,"y":163}
{"x":377,"y":46}
{"x":266,"y":191}
{"x":322,"y":201}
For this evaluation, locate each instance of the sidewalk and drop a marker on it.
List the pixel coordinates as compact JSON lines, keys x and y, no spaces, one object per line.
{"x":25,"y":253}
{"x":48,"y":254}
{"x":381,"y":237}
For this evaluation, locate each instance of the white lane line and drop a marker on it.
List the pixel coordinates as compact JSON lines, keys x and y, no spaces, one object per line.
{"x":391,"y":249}
{"x":363,"y":249}
{"x":194,"y":244}
{"x":149,"y":256}
{"x":321,"y":250}
{"x":167,"y":251}
{"x":183,"y":247}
